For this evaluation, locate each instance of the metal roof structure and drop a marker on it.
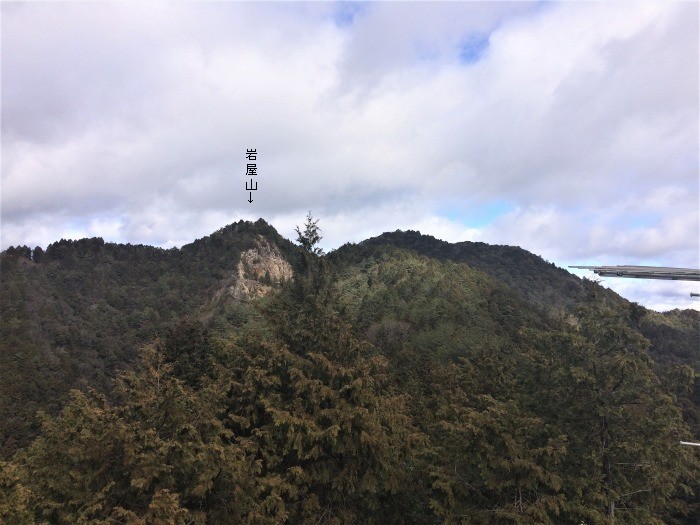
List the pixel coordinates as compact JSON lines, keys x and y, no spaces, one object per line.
{"x":645,"y":272}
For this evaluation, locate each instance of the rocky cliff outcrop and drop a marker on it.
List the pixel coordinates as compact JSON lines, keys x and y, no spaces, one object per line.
{"x":258,"y":270}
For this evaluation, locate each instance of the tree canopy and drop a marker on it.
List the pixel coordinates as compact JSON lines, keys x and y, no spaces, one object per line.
{"x":376,"y":385}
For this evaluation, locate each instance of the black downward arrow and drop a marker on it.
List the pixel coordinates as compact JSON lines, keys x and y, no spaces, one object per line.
{"x":250,"y":198}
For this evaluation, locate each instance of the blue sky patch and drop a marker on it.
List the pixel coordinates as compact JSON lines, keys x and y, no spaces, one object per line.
{"x":639,"y":220}
{"x":345,"y":12}
{"x":473,"y":47}
{"x":476,"y":215}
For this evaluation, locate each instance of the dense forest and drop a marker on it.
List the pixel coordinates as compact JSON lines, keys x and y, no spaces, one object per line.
{"x":245,"y":379}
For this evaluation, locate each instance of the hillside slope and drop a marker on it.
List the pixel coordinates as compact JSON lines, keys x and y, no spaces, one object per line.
{"x":74,"y":314}
{"x":543,"y":286}
{"x":378,"y":384}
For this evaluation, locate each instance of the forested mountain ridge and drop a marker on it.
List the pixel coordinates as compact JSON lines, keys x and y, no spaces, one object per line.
{"x":74,"y":314}
{"x":544,"y":286}
{"x":538,"y":281}
{"x":401,"y":380}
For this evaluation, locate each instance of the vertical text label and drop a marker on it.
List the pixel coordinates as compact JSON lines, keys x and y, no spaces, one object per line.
{"x":251,"y":170}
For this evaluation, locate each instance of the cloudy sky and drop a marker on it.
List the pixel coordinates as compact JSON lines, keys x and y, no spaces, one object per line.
{"x":567,"y":128}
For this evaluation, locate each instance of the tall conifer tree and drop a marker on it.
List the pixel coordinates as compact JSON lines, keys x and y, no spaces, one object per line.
{"x":334,"y":446}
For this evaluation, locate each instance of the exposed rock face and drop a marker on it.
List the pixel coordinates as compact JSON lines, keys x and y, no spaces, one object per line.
{"x":264,"y":259}
{"x":257,"y":270}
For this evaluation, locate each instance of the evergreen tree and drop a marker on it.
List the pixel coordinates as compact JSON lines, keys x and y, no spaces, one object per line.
{"x":495,"y":460}
{"x":190,"y":347}
{"x":596,"y":383}
{"x":466,"y":404}
{"x":15,"y":497}
{"x":162,"y":455}
{"x":310,"y":237}
{"x":334,"y":446}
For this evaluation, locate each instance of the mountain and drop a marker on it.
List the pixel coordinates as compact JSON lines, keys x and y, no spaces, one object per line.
{"x":513,"y":343}
{"x":76,"y":313}
{"x":542,"y":285}
{"x":531,"y":277}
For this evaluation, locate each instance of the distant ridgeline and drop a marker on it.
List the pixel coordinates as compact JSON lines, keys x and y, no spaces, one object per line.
{"x":399,"y":380}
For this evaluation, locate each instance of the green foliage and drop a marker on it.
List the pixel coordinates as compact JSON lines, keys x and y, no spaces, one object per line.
{"x":426,"y":384}
{"x":337,"y":445}
{"x":329,"y":443}
{"x":161,"y":455}
{"x":446,"y":308}
{"x":526,"y":275}
{"x":623,"y":427}
{"x":189,"y":347}
{"x":15,"y":498}
{"x":570,"y":426}
{"x":496,"y":460}
{"x":310,"y":237}
{"x":76,"y":314}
